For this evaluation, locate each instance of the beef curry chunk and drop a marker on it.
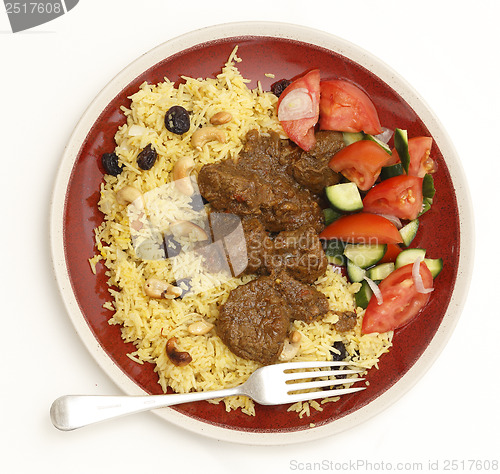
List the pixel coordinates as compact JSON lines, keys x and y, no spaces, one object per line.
{"x":310,"y":169}
{"x":259,"y":246}
{"x":299,"y":252}
{"x":260,"y":185}
{"x":347,"y":321}
{"x":306,"y":303}
{"x":254,"y":321}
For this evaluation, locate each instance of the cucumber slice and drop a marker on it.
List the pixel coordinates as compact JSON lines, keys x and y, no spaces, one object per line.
{"x":344,"y":197}
{"x":334,"y":252}
{"x":385,"y":146}
{"x":409,"y":231}
{"x":355,"y":273}
{"x":363,"y":295}
{"x":331,"y":215}
{"x":352,"y":137}
{"x":379,"y":272}
{"x":365,"y":255}
{"x":428,"y":189}
{"x":391,"y":171}
{"x":409,"y":256}
{"x":401,"y":145}
{"x":435,"y":265}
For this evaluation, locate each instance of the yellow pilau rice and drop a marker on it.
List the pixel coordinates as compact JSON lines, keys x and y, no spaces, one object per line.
{"x":149,"y":322}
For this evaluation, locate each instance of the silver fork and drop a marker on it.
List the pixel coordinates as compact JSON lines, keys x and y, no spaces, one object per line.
{"x":270,"y":385}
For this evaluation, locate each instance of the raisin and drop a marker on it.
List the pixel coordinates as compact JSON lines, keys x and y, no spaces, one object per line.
{"x":339,"y":345}
{"x":147,"y":158}
{"x":110,"y":164}
{"x":278,"y":87}
{"x":177,"y":120}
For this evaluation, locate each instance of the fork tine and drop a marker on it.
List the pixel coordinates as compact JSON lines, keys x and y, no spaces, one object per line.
{"x":320,"y":373}
{"x":313,"y":364}
{"x":300,"y":397}
{"x":320,"y":383}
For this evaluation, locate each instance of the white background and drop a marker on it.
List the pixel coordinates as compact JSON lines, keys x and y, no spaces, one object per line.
{"x":448,"y":50}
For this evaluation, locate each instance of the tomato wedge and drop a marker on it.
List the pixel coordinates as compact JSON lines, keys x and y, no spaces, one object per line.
{"x":393,"y":250}
{"x":298,"y":109}
{"x":362,"y":228}
{"x":400,"y":196}
{"x":360,"y":162}
{"x":346,"y":108}
{"x":401,"y":300}
{"x":421,"y":163}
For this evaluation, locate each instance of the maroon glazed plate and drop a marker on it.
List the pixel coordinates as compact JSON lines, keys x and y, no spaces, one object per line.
{"x":286,"y":51}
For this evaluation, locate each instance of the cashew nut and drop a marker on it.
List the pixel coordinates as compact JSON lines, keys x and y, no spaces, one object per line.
{"x":128,"y":195}
{"x":220,"y":118}
{"x":182,"y":170}
{"x":199,"y":328}
{"x":179,"y":359}
{"x":186,"y":229}
{"x":161,"y":289}
{"x":205,"y":135}
{"x":291,"y":346}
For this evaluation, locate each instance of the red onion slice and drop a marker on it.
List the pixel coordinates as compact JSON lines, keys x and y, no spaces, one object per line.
{"x":415,"y":273}
{"x":395,"y":220}
{"x":296,"y":105}
{"x":376,"y":291}
{"x":385,"y":136}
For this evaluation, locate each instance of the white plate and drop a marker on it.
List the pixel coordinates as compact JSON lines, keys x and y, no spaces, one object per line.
{"x":363,"y":58}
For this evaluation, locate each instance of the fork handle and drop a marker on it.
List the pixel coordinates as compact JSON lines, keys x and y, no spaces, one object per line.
{"x":70,"y":412}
